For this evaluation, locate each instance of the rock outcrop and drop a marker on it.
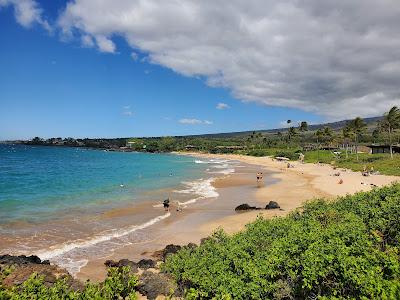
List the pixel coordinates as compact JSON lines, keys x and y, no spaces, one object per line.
{"x":24,"y":266}
{"x":245,"y":206}
{"x":153,"y":285}
{"x":272,"y":205}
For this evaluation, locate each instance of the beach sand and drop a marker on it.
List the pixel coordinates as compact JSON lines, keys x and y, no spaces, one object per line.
{"x":289,"y":187}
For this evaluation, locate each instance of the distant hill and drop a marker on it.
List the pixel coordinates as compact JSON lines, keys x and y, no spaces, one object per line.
{"x":336,"y":126}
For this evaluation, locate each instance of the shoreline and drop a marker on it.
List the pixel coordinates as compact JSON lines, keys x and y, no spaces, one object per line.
{"x":289,"y":187}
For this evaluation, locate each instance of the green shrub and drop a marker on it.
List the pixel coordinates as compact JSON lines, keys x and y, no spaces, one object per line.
{"x":291,"y":154}
{"x":347,"y":249}
{"x":119,"y":284}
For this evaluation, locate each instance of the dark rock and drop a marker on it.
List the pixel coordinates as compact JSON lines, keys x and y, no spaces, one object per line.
{"x":50,"y":273}
{"x":111,"y":263}
{"x":146,"y":264}
{"x":122,"y":263}
{"x":244,"y":207}
{"x":170,"y":249}
{"x":155,"y":284}
{"x":191,"y":246}
{"x":272,"y":205}
{"x":203,"y":240}
{"x":21,"y":260}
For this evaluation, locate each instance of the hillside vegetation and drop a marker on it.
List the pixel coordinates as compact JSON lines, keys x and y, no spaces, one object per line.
{"x":346,"y":249}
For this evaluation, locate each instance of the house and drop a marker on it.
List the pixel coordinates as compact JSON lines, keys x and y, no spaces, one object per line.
{"x":377,"y":148}
{"x":231,"y":147}
{"x":191,"y":147}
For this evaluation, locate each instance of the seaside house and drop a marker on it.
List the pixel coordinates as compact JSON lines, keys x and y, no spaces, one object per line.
{"x":378,"y":148}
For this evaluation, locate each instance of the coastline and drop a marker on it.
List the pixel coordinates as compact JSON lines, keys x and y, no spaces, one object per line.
{"x":289,"y":187}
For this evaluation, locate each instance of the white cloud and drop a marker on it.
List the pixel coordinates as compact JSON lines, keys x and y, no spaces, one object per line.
{"x":222,"y":106}
{"x":105,"y":44}
{"x":336,"y":58}
{"x":87,"y":41}
{"x":27,"y":12}
{"x":134,"y":56}
{"x":126,"y":110}
{"x":195,"y":122}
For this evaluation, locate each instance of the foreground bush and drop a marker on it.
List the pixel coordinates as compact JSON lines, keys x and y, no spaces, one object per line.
{"x":330,"y":250}
{"x":119,"y":284}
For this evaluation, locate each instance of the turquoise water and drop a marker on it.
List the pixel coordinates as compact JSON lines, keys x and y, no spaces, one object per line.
{"x":70,"y":205}
{"x":38,"y":182}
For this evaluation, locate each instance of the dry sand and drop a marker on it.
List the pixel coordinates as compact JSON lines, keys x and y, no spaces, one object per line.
{"x":289,"y":187}
{"x":297,"y":185}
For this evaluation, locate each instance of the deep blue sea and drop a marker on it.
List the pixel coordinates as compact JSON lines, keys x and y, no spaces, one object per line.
{"x":69,"y":204}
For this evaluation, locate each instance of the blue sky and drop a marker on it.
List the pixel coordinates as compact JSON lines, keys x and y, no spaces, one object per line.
{"x":54,"y":84}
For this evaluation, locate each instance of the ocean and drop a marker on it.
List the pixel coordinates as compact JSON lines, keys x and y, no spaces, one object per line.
{"x":68,"y":204}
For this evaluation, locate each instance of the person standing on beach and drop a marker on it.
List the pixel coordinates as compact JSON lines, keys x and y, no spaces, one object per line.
{"x":259,"y":178}
{"x":166,"y":204}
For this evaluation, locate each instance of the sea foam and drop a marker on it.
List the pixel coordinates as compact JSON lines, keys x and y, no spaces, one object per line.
{"x":61,"y":249}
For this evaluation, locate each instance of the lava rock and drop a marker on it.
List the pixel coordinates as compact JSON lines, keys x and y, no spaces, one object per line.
{"x":122,"y":263}
{"x":146,"y":264}
{"x":154,"y":284}
{"x":272,"y":205}
{"x":21,"y":260}
{"x":170,"y":249}
{"x":244,"y":207}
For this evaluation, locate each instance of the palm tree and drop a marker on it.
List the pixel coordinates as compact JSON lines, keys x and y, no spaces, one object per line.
{"x":328,"y":134}
{"x":357,"y":127}
{"x":347,"y":134}
{"x":290,"y":133}
{"x":391,"y":122}
{"x":319,"y":134}
{"x":303,"y":127}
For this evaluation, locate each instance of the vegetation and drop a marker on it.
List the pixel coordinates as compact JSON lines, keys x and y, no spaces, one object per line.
{"x":391,"y":122}
{"x":382,"y":163}
{"x":119,"y":284}
{"x":346,"y":249}
{"x":342,"y":136}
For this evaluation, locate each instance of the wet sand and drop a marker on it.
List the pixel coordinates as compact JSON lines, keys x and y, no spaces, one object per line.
{"x":188,"y":225}
{"x":289,"y":187}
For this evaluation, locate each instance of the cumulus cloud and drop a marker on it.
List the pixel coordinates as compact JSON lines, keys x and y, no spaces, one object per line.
{"x":134,"y":56}
{"x":195,"y":122}
{"x":26,"y":12}
{"x":126,"y":111}
{"x":222,"y":106}
{"x":336,"y":58}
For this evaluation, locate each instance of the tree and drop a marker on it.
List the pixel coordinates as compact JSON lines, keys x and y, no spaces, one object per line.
{"x":319,"y":134}
{"x":357,"y":127}
{"x":303,"y":127}
{"x":328,"y":134}
{"x":391,"y":122}
{"x":291,"y":133}
{"x":347,"y":134}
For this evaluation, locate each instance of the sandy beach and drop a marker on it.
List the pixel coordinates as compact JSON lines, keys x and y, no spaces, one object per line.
{"x":290,"y":187}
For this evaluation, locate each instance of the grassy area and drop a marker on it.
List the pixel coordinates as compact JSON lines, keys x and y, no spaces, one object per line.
{"x":291,"y":153}
{"x":346,"y":249}
{"x":380,"y":162}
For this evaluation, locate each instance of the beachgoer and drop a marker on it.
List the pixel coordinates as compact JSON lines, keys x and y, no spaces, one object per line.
{"x":301,"y":158}
{"x":166,"y":204}
{"x":178,"y":206}
{"x":340,"y":181}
